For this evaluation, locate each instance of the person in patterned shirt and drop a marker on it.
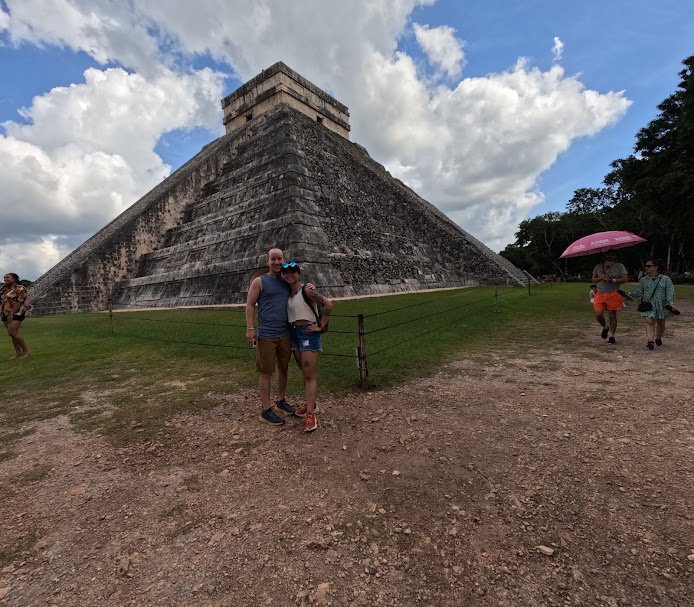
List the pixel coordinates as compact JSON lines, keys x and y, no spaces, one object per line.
{"x":657,"y":289}
{"x":13,"y":306}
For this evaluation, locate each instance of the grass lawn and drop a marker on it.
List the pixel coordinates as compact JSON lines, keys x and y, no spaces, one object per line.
{"x":124,"y":378}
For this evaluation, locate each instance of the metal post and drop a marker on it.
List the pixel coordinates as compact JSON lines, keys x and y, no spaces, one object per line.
{"x":110,"y":314}
{"x":361,"y":353}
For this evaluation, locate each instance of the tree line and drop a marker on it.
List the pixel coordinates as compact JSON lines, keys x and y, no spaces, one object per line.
{"x":649,"y":193}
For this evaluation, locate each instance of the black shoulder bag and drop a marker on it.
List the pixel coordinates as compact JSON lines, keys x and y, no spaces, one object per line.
{"x":647,"y":306}
{"x":317,"y":311}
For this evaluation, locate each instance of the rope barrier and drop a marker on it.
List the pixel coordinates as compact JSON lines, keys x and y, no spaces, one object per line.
{"x":184,"y":322}
{"x":467,"y":310}
{"x":188,"y":343}
{"x":213,"y":324}
{"x":514,"y":298}
{"x":404,"y":322}
{"x":423,"y":303}
{"x":372,"y":354}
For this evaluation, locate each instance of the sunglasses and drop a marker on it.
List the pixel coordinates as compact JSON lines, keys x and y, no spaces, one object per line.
{"x":290,"y":266}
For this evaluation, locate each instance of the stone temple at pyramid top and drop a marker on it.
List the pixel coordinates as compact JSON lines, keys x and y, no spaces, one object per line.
{"x":280,"y":84}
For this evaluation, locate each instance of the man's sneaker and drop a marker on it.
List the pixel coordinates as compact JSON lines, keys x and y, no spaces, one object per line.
{"x":605,"y":331}
{"x":658,"y":341}
{"x":301,"y":411}
{"x":650,"y":345}
{"x":268,"y":416}
{"x":284,"y":408}
{"x":611,"y":340}
{"x":310,"y":422}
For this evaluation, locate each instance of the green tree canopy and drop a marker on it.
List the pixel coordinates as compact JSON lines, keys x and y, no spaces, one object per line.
{"x":650,"y":193}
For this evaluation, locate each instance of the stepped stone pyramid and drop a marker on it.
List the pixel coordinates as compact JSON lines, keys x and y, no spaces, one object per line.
{"x":285,"y":174}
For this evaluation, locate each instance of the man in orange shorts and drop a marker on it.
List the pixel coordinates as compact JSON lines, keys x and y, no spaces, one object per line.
{"x":610,"y":274}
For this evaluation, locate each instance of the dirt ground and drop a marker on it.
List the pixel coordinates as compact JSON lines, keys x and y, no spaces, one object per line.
{"x":550,"y":474}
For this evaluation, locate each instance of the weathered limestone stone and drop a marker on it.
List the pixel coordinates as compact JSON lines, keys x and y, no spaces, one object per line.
{"x":280,"y":84}
{"x":280,"y":179}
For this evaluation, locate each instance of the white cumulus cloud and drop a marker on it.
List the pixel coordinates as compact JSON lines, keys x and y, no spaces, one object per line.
{"x":87,"y":151}
{"x":107,"y":30}
{"x":4,"y":20}
{"x":475,"y":147}
{"x":29,"y":259}
{"x":441,"y":47}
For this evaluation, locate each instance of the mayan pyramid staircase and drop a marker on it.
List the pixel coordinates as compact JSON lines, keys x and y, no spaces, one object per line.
{"x":286,"y":175}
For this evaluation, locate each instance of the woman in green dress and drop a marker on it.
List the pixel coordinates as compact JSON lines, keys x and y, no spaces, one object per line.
{"x":658,"y":290}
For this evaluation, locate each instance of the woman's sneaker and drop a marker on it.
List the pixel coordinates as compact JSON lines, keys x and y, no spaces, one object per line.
{"x":658,"y":341}
{"x":650,"y":345}
{"x":303,"y":410}
{"x":310,"y":422}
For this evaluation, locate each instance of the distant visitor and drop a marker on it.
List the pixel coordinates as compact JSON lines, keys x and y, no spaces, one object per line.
{"x":13,"y":298}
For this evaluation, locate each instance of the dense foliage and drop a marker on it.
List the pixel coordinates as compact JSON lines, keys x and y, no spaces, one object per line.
{"x":650,"y":193}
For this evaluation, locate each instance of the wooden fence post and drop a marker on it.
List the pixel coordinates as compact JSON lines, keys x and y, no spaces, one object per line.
{"x":361,"y":353}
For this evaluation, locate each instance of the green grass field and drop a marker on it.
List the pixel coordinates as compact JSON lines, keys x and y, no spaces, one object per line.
{"x":143,"y":367}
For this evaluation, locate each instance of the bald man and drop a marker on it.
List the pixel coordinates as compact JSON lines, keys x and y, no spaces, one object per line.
{"x":273,"y":340}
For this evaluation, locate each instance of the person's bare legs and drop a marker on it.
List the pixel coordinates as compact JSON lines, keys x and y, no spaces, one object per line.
{"x":20,"y":346}
{"x":613,"y":321}
{"x":650,"y":329}
{"x":659,"y":328}
{"x":309,"y":365}
{"x":600,"y":317}
{"x":264,"y":380}
{"x":4,"y":322}
{"x":281,"y":384}
{"x":297,"y":358}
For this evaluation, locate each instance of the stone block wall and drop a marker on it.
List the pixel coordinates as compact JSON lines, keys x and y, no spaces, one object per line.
{"x":83,"y":280}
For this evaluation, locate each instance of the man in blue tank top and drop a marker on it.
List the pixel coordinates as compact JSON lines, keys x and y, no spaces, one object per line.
{"x":273,"y":340}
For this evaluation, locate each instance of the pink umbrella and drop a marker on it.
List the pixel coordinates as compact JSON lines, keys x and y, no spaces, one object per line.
{"x":601,"y":241}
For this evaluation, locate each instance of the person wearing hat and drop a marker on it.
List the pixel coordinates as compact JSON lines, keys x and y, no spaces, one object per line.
{"x":608,"y":276}
{"x":307,"y":326}
{"x":272,"y":339}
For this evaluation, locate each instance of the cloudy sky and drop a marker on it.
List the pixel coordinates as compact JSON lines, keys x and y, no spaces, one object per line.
{"x":492,"y":110}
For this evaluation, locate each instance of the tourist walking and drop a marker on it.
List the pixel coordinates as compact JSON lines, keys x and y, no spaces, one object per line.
{"x":13,"y":305}
{"x":657,"y":295}
{"x":272,"y":338}
{"x":608,"y":275}
{"x":307,"y":325}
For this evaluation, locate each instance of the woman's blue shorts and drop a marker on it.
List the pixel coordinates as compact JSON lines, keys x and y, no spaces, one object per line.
{"x":305,"y":341}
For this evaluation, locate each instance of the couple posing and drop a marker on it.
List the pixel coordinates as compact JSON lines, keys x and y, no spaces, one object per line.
{"x":286,"y":324}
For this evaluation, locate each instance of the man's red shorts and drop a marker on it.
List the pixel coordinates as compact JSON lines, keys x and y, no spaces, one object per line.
{"x":611,"y":301}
